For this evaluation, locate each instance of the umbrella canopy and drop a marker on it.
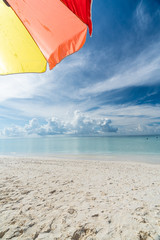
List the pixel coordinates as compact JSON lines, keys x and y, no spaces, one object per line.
{"x":52,"y":27}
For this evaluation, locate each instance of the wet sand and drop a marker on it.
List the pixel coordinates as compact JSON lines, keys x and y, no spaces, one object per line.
{"x":79,"y":198}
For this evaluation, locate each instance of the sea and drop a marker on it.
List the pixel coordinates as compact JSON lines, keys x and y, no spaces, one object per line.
{"x":110,"y":145}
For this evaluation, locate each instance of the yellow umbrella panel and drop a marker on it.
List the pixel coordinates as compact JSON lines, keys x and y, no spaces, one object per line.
{"x":19,"y":52}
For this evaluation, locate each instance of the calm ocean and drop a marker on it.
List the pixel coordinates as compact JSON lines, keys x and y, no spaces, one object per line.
{"x":81,"y":145}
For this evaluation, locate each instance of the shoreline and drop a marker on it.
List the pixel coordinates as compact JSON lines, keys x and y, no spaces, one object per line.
{"x":133,"y":158}
{"x":83,"y":198}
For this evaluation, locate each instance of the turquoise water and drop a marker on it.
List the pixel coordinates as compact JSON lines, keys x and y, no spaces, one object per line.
{"x":81,"y":145}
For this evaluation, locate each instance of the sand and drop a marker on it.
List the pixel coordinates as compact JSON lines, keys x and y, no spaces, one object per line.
{"x":75,"y":198}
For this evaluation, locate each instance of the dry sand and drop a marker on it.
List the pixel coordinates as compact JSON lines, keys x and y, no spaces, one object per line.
{"x":60,"y":198}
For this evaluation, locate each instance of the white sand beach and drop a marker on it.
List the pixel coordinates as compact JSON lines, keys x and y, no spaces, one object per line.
{"x":82,"y":198}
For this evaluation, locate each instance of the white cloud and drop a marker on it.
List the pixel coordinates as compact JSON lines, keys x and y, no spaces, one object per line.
{"x":80,"y":125}
{"x":130,"y":120}
{"x":32,"y":127}
{"x":84,"y":125}
{"x":54,"y":126}
{"x":133,"y":119}
{"x":15,"y":131}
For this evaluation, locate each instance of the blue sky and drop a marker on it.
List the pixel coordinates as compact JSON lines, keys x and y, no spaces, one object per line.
{"x":110,"y":87}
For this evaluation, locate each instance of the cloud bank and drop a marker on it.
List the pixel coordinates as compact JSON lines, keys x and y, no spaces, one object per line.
{"x":80,"y":125}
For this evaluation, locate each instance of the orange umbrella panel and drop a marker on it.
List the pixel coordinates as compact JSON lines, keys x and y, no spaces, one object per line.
{"x":56,"y":30}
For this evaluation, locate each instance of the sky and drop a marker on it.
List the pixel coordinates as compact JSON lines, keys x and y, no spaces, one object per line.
{"x":110,"y":87}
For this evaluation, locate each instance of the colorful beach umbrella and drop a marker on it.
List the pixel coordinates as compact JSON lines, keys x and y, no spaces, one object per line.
{"x":34,"y":32}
